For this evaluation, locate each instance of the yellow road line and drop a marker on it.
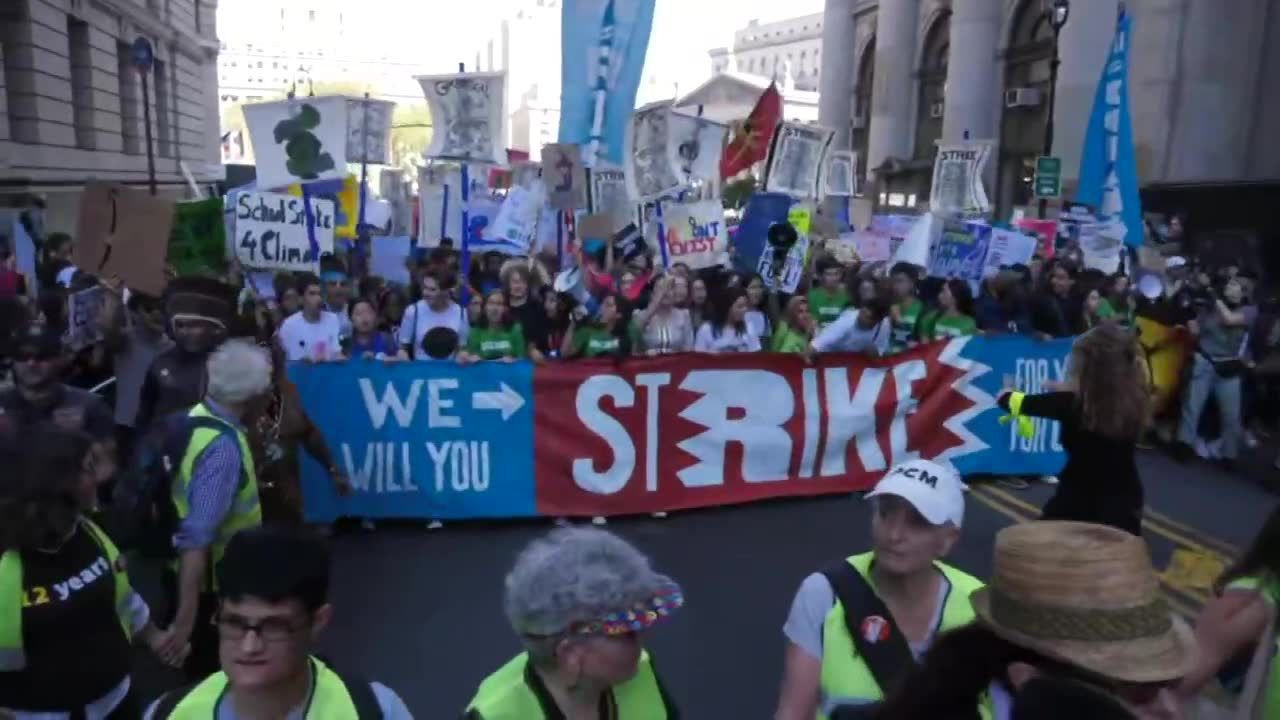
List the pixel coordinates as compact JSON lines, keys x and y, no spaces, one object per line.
{"x":1222,"y":546}
{"x":1180,"y":600}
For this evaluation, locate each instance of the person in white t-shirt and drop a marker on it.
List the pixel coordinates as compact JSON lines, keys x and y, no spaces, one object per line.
{"x":312,"y":333}
{"x":435,"y":309}
{"x":727,"y":330}
{"x":866,"y":330}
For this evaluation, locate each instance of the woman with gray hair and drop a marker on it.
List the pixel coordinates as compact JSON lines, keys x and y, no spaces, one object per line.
{"x":579,"y":599}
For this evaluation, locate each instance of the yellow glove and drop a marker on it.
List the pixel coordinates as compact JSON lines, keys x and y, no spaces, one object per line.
{"x":1026,"y":426}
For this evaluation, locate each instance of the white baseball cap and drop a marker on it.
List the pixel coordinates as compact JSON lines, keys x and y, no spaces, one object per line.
{"x":933,"y":489}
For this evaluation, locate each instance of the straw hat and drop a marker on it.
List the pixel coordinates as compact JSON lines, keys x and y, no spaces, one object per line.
{"x":1086,"y":595}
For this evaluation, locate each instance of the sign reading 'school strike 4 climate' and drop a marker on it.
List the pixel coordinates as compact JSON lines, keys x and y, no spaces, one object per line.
{"x":436,"y":440}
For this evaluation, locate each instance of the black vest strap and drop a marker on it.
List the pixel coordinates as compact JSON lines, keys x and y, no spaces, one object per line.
{"x":361,"y":692}
{"x":890,"y":658}
{"x":169,"y":701}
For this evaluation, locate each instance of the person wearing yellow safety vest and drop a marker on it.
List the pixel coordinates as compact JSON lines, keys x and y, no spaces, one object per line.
{"x":68,"y":614}
{"x":273,"y":603}
{"x":215,"y":494}
{"x":1231,"y":627}
{"x":580,"y":599}
{"x":860,"y":625}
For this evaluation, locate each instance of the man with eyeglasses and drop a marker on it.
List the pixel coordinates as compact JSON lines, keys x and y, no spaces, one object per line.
{"x":272,"y":606}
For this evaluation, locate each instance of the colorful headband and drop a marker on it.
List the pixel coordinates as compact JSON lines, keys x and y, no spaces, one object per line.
{"x":641,"y":616}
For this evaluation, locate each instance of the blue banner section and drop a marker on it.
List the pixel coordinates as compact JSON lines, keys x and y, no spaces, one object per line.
{"x":421,"y":440}
{"x":762,"y":210}
{"x":1030,"y":365}
{"x":1108,"y":161}
{"x":603,"y":45}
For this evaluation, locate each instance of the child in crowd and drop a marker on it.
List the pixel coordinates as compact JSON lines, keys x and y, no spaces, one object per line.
{"x":906,"y":309}
{"x":953,"y":316}
{"x":727,"y":330}
{"x":607,"y":336}
{"x":366,"y":341}
{"x":795,"y":330}
{"x":829,"y":298}
{"x":495,"y":336}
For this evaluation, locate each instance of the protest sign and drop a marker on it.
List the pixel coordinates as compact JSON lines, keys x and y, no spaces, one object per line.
{"x":24,"y":252}
{"x":440,"y":207}
{"x":369,"y":130}
{"x":388,"y":258}
{"x":123,"y":233}
{"x":271,"y":231}
{"x":960,"y":252}
{"x":801,"y":218}
{"x":915,"y":247}
{"x":565,"y":177}
{"x":467,"y":116}
{"x":650,"y":172}
{"x":751,"y":240}
{"x":198,"y":240}
{"x":517,"y":219}
{"x":1100,"y":244}
{"x":694,"y":145}
{"x":872,"y":246}
{"x":344,"y":192}
{"x":298,"y":140}
{"x":609,"y":195}
{"x":795,"y":162}
{"x":957,"y":179}
{"x":696,"y":233}
{"x":788,"y":278}
{"x":1008,"y":247}
{"x":84,"y":312}
{"x":1045,"y":232}
{"x":838,"y":178}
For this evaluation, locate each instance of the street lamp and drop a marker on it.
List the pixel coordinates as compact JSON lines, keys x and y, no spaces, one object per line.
{"x":1055,"y":12}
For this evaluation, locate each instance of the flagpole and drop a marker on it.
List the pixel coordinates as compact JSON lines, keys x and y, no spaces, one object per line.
{"x":361,"y":232}
{"x":465,"y":263}
{"x":662,"y":233}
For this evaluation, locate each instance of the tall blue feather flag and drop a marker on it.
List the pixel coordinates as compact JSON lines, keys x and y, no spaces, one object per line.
{"x":603,"y":44}
{"x":1108,"y":163}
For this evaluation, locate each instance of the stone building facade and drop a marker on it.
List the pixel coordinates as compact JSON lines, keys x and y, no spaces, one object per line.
{"x":71,"y":101}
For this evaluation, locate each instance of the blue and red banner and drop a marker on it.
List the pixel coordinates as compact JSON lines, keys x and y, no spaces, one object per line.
{"x":444,"y":441}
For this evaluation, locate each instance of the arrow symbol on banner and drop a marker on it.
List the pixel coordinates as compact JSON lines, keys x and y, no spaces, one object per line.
{"x":505,"y":399}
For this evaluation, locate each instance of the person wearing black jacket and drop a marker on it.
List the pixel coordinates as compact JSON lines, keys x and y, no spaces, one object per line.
{"x":1056,"y":313}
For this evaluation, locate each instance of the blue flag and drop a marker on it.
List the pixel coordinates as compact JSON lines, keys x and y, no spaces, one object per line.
{"x":1108,"y":163}
{"x":603,"y":44}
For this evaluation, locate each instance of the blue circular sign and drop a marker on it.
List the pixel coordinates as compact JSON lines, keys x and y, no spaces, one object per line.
{"x":143,"y":54}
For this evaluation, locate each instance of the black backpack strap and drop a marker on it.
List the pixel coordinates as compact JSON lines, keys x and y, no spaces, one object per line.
{"x":889,"y":656}
{"x":361,"y":692}
{"x":169,"y":701}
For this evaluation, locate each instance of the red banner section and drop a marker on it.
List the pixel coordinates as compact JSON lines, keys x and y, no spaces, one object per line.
{"x":696,"y":430}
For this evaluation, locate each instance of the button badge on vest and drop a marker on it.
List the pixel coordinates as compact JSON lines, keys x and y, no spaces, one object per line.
{"x":875,"y":629}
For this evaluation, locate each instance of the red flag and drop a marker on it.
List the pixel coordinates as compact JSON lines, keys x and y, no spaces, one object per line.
{"x":750,"y":142}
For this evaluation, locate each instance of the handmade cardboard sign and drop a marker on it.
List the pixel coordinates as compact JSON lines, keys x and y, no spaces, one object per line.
{"x":123,"y":233}
{"x":369,"y":130}
{"x":565,"y":176}
{"x":795,"y":163}
{"x":696,"y":233}
{"x":957,"y":179}
{"x":271,"y":231}
{"x":298,"y":140}
{"x":83,"y":312}
{"x":467,"y":114}
{"x":650,"y":171}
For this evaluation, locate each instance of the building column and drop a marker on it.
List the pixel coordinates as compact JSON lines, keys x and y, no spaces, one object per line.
{"x":1083,"y":47}
{"x":835,"y":89}
{"x":972,"y":96}
{"x":890,"y":131}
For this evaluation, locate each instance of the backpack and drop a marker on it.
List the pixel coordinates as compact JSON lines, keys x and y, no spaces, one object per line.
{"x":142,"y":516}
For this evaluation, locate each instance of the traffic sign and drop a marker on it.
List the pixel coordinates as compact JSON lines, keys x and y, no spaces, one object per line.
{"x":142,"y":54}
{"x":1048,"y":183}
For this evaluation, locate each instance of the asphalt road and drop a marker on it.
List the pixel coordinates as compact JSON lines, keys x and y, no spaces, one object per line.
{"x":421,"y":611}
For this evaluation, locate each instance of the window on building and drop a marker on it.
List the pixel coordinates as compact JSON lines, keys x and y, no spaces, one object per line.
{"x":933,"y":79}
{"x":164,"y":109}
{"x":1022,"y":128}
{"x":130,"y":107}
{"x":81,"y":82}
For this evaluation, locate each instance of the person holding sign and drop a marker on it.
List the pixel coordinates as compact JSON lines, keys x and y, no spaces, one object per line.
{"x":495,"y":336}
{"x":954,"y":315}
{"x":608,"y":336}
{"x":313,"y":334}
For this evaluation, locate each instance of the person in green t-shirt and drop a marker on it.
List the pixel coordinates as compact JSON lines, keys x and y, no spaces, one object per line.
{"x":953,"y":316}
{"x":1117,"y":301}
{"x":829,"y":298}
{"x":906,"y":309}
{"x":793,"y":333}
{"x":495,"y":336}
{"x":607,"y":336}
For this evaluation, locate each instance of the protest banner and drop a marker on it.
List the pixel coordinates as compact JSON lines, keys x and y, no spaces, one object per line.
{"x":467,"y":115}
{"x":696,"y":233}
{"x":123,"y":233}
{"x":694,"y":145}
{"x":517,"y":219}
{"x":751,"y":240}
{"x":957,"y":179}
{"x":788,"y":278}
{"x":344,"y":192}
{"x":565,"y":177}
{"x":369,"y":130}
{"x":609,"y":195}
{"x":960,"y":252}
{"x":838,"y":177}
{"x":271,"y":231}
{"x":650,"y":172}
{"x":1008,"y":247}
{"x":494,"y":440}
{"x":84,"y":312}
{"x":1045,"y":232}
{"x":872,"y":246}
{"x":602,"y":50}
{"x":795,"y":162}
{"x":198,"y":240}
{"x":298,"y":140}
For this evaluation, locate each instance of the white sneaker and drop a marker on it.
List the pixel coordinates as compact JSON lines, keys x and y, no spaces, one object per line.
{"x":658,"y":515}
{"x":599,"y":520}
{"x":435,"y":525}
{"x":1049,"y":479}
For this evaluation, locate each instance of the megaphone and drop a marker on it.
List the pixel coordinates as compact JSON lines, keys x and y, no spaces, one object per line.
{"x":1150,"y":285}
{"x":781,"y":236}
{"x":573,"y":282}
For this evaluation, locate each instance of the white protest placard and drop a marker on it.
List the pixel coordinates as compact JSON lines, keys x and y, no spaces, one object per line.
{"x":467,"y":116}
{"x":271,"y":231}
{"x":84,"y":309}
{"x":517,"y":219}
{"x":1008,"y":247}
{"x":565,"y":176}
{"x":957,"y":179}
{"x":694,"y":146}
{"x":792,"y":268}
{"x":1100,"y":244}
{"x":439,"y":206}
{"x":369,"y":130}
{"x":298,"y":140}
{"x":795,"y":163}
{"x":609,"y":196}
{"x":388,"y":256}
{"x":838,"y":175}
{"x":873,"y":246}
{"x":650,"y":172}
{"x":696,"y":233}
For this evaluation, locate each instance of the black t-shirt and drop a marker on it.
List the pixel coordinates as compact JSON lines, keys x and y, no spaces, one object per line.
{"x":533,"y":321}
{"x":72,"y":408}
{"x":76,"y":649}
